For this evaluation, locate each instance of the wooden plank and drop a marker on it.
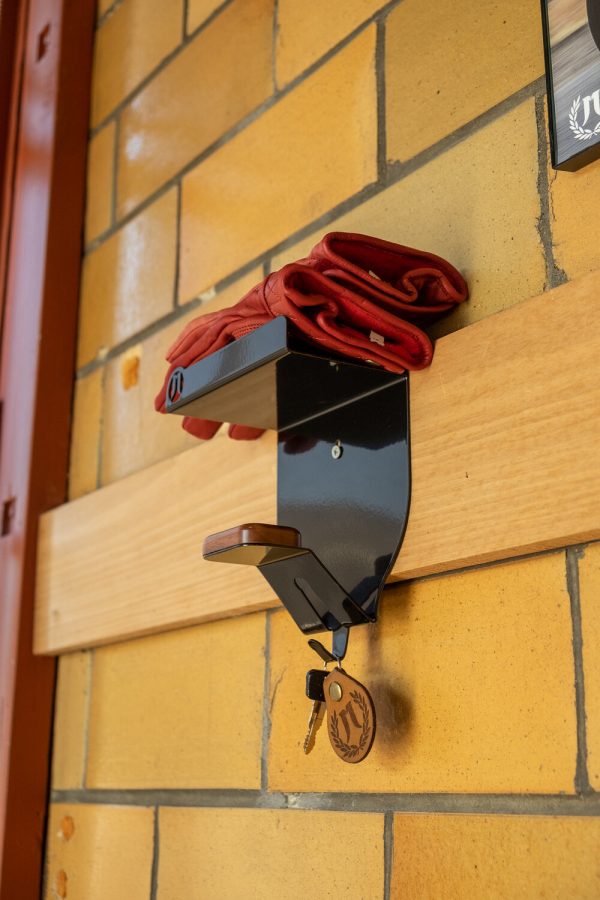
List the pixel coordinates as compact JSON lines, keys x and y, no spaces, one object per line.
{"x":505,"y":437}
{"x":131,"y":553}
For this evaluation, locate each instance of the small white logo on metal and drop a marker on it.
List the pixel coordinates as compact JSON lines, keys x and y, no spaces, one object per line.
{"x":591,"y":102}
{"x":175,"y":388}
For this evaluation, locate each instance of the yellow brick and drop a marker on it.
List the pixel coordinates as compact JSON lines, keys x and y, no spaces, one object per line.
{"x":267,"y":853}
{"x":445,"y":208}
{"x":589,"y":575}
{"x":444,"y":70}
{"x":318,"y":146}
{"x":108,"y":853}
{"x":305,"y":31}
{"x":466,"y":700}
{"x":130,"y":412}
{"x":199,"y":11}
{"x":132,"y":41}
{"x":128,"y":282}
{"x":70,"y":721}
{"x":504,"y":857}
{"x":98,"y":203}
{"x":575,"y":222}
{"x":85,"y":435}
{"x":217,"y":80}
{"x":181,"y":709}
{"x":104,"y":6}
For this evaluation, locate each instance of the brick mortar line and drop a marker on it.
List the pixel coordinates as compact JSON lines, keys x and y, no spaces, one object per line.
{"x":488,"y":564}
{"x":101,"y":423}
{"x":396,"y":172}
{"x":266,"y":710}
{"x":399,"y":169}
{"x":175,"y":179}
{"x":159,"y":324}
{"x":197,"y":160}
{"x":380,"y":85}
{"x":554,"y":275}
{"x":377,"y":18}
{"x":107,"y":14}
{"x":185,"y":12}
{"x":388,"y":853}
{"x":581,"y":781}
{"x":274,"y":35}
{"x":89,"y":683}
{"x":155,"y":856}
{"x":177,"y":245}
{"x":158,"y":68}
{"x":115,"y":174}
{"x":278,"y":92}
{"x":467,"y":803}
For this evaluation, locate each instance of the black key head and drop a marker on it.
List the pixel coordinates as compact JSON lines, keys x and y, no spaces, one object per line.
{"x":314,"y":684}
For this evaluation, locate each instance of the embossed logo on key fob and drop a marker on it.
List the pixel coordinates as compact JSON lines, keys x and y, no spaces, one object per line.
{"x":350,"y":716}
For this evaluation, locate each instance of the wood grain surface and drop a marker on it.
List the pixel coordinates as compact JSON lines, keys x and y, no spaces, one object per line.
{"x":505,"y":453}
{"x":251,"y":533}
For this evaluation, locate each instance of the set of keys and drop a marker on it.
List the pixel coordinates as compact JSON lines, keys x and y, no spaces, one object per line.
{"x":346,"y":703}
{"x":315,"y":679}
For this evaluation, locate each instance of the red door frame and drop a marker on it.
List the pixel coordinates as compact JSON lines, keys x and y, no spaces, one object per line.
{"x":41,"y":226}
{"x":11,"y":40}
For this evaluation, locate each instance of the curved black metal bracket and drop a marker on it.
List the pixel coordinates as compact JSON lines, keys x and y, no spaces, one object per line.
{"x":343,"y":467}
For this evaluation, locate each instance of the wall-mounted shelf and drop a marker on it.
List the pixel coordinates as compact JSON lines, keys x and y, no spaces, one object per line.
{"x":343,"y":469}
{"x":505,"y":430}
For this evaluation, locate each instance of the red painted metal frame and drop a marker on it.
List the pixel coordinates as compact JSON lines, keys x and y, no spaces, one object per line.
{"x":12,"y":26}
{"x":40,"y":252}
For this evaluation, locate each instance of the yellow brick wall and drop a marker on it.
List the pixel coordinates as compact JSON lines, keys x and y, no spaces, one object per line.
{"x":226,"y":137}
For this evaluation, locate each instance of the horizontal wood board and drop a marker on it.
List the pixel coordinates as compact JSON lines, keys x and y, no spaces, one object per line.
{"x":505,"y":455}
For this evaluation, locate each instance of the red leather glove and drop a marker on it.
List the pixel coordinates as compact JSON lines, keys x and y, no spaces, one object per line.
{"x":355,"y":295}
{"x":419,"y":286}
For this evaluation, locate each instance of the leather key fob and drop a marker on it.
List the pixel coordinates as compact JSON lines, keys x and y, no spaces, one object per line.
{"x":350,"y":716}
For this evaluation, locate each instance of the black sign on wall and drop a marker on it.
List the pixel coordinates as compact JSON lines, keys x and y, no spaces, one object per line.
{"x":572,"y":43}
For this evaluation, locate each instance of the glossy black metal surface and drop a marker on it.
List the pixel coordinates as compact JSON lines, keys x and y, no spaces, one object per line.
{"x":268,"y":381}
{"x":235,"y":384}
{"x":322,"y":651}
{"x":312,"y":596}
{"x":343,"y":466}
{"x":351,"y":510}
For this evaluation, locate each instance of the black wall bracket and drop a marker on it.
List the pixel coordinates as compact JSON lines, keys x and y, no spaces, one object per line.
{"x":343,"y":490}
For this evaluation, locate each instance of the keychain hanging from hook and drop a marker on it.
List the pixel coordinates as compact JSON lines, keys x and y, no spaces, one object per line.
{"x":351,"y":719}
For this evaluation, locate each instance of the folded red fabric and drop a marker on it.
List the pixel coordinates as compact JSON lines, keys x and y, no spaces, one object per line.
{"x":354,"y":296}
{"x":417,"y":285}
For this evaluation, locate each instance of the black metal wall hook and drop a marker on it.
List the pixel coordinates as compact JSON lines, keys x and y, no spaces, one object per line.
{"x":343,"y":488}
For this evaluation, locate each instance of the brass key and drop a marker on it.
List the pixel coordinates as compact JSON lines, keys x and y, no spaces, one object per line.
{"x":317,"y":714}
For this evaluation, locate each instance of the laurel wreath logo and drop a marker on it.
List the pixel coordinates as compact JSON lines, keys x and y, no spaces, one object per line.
{"x":349,"y":751}
{"x":581,"y":133}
